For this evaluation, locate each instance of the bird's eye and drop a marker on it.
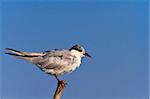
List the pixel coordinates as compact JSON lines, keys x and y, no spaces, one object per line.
{"x":79,"y":49}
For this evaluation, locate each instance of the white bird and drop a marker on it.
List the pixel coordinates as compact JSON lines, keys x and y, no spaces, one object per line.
{"x":54,"y":62}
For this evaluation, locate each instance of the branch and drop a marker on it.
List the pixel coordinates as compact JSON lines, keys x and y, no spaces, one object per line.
{"x":60,"y":87}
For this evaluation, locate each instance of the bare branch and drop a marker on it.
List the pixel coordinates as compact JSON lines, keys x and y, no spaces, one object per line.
{"x":60,"y":87}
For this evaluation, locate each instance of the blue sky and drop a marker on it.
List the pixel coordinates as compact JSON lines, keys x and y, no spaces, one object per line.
{"x":114,"y":32}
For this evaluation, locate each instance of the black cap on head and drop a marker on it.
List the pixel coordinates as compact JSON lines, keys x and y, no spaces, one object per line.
{"x":77,"y":47}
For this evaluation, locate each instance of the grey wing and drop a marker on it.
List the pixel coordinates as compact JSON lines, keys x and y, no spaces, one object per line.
{"x":55,"y":60}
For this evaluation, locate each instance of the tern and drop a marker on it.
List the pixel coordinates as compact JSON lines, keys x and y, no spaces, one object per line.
{"x":54,"y":62}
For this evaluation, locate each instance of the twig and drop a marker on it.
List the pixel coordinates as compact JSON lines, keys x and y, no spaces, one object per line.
{"x":60,"y":87}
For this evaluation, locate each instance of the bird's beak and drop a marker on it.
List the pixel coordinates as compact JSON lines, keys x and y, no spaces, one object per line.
{"x":88,"y":55}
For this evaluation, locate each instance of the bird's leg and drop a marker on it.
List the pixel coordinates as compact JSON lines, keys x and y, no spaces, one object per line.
{"x":56,"y":78}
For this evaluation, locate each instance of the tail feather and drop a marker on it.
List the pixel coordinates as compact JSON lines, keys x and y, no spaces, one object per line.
{"x":15,"y":51}
{"x":22,"y":55}
{"x":12,"y":54}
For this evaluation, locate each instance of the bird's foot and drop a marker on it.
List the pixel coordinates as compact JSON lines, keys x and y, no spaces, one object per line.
{"x":63,"y":83}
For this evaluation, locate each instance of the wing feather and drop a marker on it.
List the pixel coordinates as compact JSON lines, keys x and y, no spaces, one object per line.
{"x":54,"y":59}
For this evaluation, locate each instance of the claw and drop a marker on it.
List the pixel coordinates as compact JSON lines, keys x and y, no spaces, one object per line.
{"x":63,"y":83}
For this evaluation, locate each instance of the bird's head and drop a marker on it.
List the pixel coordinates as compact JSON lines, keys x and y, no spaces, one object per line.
{"x":79,"y":51}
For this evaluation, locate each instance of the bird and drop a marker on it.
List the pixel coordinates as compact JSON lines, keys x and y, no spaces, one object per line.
{"x":55,"y":62}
